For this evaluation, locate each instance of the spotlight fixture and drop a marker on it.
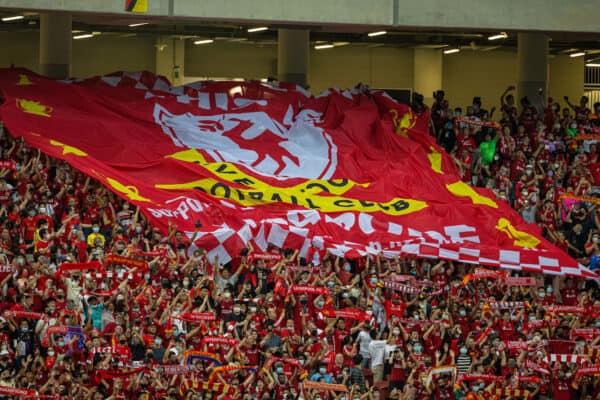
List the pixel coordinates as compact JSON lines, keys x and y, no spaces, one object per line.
{"x":204,"y":41}
{"x":378,"y":33}
{"x":84,"y":36}
{"x":452,"y":50}
{"x":258,"y":29}
{"x":323,"y":46}
{"x":501,"y":35}
{"x":13,"y":18}
{"x":578,"y":54}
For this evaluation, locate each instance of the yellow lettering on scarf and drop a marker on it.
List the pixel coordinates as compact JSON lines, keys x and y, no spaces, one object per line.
{"x":521,"y":239}
{"x":461,"y":189}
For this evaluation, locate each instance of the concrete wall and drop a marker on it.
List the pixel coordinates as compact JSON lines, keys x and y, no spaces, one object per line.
{"x":485,"y":74}
{"x":230,"y":60}
{"x":464,"y":75}
{"x":346,"y":66}
{"x":566,"y":78}
{"x":20,"y":49}
{"x":104,"y":54}
{"x":543,"y":15}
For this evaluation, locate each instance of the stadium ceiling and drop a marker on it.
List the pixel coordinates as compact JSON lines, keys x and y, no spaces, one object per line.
{"x":560,"y":43}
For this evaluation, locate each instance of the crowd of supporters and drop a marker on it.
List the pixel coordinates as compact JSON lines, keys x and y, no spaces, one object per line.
{"x":97,"y":304}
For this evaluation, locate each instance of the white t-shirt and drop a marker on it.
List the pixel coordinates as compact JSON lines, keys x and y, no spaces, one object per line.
{"x":363,"y":340}
{"x":377,"y":351}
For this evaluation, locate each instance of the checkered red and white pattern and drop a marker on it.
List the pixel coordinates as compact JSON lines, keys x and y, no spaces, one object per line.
{"x":226,"y":242}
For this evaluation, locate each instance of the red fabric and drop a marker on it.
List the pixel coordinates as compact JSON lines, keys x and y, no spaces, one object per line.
{"x":248,"y":163}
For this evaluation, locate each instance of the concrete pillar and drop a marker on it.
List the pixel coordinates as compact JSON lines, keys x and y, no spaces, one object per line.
{"x":427,"y":73}
{"x":55,"y":45}
{"x":293,"y":47}
{"x":532,"y":66}
{"x":170,"y":56}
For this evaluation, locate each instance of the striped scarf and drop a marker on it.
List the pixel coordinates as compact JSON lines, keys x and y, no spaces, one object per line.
{"x":508,"y":305}
{"x":566,"y":358}
{"x":504,"y":393}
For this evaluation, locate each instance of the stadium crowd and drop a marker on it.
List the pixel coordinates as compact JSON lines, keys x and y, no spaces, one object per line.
{"x":81,"y":318}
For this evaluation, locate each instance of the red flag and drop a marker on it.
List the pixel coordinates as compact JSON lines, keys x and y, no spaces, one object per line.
{"x":349,"y":172}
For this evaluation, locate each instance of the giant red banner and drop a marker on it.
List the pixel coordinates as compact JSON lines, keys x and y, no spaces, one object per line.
{"x":353,"y":172}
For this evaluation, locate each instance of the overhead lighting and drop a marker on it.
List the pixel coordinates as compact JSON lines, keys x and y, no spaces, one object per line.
{"x":14,"y":18}
{"x":592,"y":65}
{"x":323,"y":46}
{"x":138,"y":24}
{"x":204,"y":41}
{"x":84,"y":36}
{"x":501,"y":35}
{"x":452,"y":51}
{"x":578,"y":54}
{"x":339,"y":44}
{"x":378,"y":33}
{"x":258,"y":29}
{"x":95,"y":33}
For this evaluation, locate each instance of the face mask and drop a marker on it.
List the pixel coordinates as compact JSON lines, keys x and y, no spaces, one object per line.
{"x":541,"y":295}
{"x":176,"y":333}
{"x":347,"y":267}
{"x":463,"y":351}
{"x":24,"y":330}
{"x":597,"y":324}
{"x":345,"y":295}
{"x":227,"y":295}
{"x":549,"y":290}
{"x":279,"y":370}
{"x":532,"y":318}
{"x":396,"y":332}
{"x":61,"y":344}
{"x":595,"y":239}
{"x":20,"y":261}
{"x":186,"y":283}
{"x":322,"y":371}
{"x":416,"y":317}
{"x":462,"y":313}
{"x":330,"y":284}
{"x":95,"y":229}
{"x":252,"y":309}
{"x":418,"y":349}
{"x":237,"y":310}
{"x":51,"y":353}
{"x":320,"y":303}
{"x":157,"y":341}
{"x":51,"y":309}
{"x":373,"y":281}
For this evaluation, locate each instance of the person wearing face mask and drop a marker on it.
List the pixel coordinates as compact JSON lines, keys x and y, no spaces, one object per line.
{"x":95,"y":235}
{"x":592,"y":250}
{"x":463,"y":361}
{"x":321,"y":375}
